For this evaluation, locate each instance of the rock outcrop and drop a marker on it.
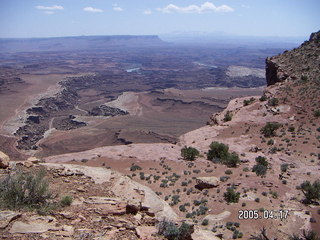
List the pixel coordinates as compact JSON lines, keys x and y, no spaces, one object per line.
{"x":291,"y":64}
{"x":4,"y":160}
{"x":206,"y":182}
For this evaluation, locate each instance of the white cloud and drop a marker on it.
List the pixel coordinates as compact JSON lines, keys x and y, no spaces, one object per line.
{"x":50,"y":8}
{"x":203,"y":8}
{"x":117,"y":8}
{"x":91,"y":9}
{"x":147,"y":12}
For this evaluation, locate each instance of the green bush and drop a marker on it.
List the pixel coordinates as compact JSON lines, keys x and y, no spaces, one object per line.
{"x":219,"y":152}
{"x":311,"y":191}
{"x":24,"y":189}
{"x":66,"y":201}
{"x":316,"y":113}
{"x":205,"y":222}
{"x":189,"y":153}
{"x":284,"y":167}
{"x":227,"y":116}
{"x":135,"y":167}
{"x":270,"y":142}
{"x":263,"y":98}
{"x":172,"y":232}
{"x":232,"y":160}
{"x":261,"y":167}
{"x":273,"y":102}
{"x":248,"y":102}
{"x":270,"y":128}
{"x":231,"y":196}
{"x":182,"y":208}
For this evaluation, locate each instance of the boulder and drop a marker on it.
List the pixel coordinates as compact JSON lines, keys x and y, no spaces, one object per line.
{"x":201,"y":234}
{"x":6,"y":217}
{"x":35,"y":225}
{"x":4,"y":160}
{"x":206,"y":182}
{"x":146,"y":232}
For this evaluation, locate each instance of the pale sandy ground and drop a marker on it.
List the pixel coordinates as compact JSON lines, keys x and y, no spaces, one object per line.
{"x":240,"y":71}
{"x":127,"y":101}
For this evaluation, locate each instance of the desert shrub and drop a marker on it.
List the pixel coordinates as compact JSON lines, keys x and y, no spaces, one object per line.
{"x":273,"y":102}
{"x":172,"y":232}
{"x":189,"y":153}
{"x":47,"y":208}
{"x":224,"y":178}
{"x":227,"y":116}
{"x":220,"y":152}
{"x":66,"y":200}
{"x":304,"y":78}
{"x":316,"y":113}
{"x":228,"y":172}
{"x":306,"y":235}
{"x":231,"y":196}
{"x":311,"y":191}
{"x":135,"y":167}
{"x":291,"y":129}
{"x":182,"y":208}
{"x":270,"y":142}
{"x":175,"y":199}
{"x":205,"y":222}
{"x":260,"y":170}
{"x":261,"y":167}
{"x":262,"y":161}
{"x":248,"y":102}
{"x":217,"y":151}
{"x":270,"y":128}
{"x":202,"y":210}
{"x":284,"y":167}
{"x":24,"y":189}
{"x":263,"y":98}
{"x":231,"y":160}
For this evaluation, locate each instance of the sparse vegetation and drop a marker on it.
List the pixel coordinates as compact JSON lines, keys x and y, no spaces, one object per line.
{"x":227,"y":116}
{"x":66,"y":201}
{"x":219,"y":152}
{"x":189,"y":153}
{"x":263,"y":98}
{"x":311,"y":191}
{"x":249,"y":101}
{"x":273,"y":102}
{"x":24,"y":190}
{"x":284,"y":167}
{"x":172,"y":232}
{"x":231,"y":196}
{"x":261,"y":167}
{"x":135,"y":167}
{"x":205,"y":222}
{"x":270,"y":128}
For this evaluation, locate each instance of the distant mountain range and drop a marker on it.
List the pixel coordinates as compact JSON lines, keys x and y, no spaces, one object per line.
{"x":223,"y":38}
{"x":77,"y":43}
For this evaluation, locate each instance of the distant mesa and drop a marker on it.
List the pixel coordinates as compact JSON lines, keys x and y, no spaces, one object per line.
{"x":77,"y":43}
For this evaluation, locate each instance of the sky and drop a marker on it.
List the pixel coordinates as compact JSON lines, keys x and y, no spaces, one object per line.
{"x":56,"y":18}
